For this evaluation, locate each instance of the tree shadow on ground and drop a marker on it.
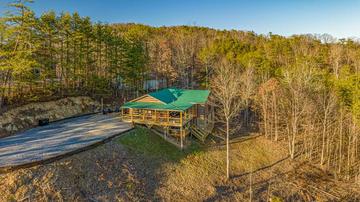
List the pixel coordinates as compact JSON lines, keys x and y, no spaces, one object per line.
{"x":241,"y":184}
{"x":150,"y":154}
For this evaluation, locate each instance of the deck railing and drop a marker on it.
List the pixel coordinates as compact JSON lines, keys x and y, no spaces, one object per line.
{"x":156,"y":120}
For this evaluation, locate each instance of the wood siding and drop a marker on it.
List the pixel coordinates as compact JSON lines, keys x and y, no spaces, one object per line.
{"x":147,"y":98}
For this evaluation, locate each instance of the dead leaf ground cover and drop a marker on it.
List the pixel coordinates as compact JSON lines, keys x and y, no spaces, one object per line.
{"x":140,"y":166}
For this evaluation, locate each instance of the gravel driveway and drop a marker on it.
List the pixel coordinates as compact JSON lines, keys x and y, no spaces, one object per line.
{"x":58,"y":138}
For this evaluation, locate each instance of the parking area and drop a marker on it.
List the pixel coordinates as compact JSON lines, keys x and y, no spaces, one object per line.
{"x":59,"y":138}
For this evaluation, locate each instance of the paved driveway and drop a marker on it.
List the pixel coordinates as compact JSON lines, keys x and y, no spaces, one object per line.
{"x":58,"y":138}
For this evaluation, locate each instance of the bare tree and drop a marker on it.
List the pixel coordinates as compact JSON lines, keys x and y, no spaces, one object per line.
{"x":226,"y":85}
{"x":296,"y":106}
{"x":267,"y":96}
{"x":248,"y":91}
{"x":335,"y":58}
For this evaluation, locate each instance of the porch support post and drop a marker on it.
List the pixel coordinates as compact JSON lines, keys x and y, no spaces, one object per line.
{"x":181,"y":131}
{"x":185,"y":116}
{"x":181,"y":138}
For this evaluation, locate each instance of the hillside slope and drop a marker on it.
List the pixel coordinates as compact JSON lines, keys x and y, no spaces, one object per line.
{"x":27,"y":116}
{"x":138,"y":166}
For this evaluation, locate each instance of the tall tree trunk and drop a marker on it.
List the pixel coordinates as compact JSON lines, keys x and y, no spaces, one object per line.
{"x":340,"y":140}
{"x":324,"y":138}
{"x":275,"y":117}
{"x":227,"y":150}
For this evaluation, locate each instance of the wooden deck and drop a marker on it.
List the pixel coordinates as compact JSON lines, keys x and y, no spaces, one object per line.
{"x":173,"y":125}
{"x":159,"y":118}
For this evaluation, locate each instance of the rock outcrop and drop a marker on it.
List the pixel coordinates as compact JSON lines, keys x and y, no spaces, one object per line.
{"x":27,"y":116}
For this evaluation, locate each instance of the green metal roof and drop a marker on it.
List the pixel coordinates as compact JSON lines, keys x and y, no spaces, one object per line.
{"x":173,"y":99}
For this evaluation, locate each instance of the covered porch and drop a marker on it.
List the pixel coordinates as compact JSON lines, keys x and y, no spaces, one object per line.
{"x":172,"y":125}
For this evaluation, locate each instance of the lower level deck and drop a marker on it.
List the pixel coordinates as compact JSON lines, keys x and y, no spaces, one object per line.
{"x":176,"y":125}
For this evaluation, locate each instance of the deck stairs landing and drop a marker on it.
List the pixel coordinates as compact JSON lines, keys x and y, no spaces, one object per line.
{"x":199,"y":133}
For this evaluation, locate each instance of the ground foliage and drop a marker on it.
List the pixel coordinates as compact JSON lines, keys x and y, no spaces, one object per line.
{"x":118,"y":172}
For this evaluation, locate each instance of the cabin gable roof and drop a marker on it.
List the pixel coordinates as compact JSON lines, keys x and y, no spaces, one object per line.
{"x":147,"y":98}
{"x":169,"y":99}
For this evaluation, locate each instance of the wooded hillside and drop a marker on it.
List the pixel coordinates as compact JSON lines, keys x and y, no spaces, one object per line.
{"x":305,"y":88}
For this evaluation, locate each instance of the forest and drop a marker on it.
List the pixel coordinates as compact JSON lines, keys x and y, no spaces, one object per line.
{"x":301,"y":90}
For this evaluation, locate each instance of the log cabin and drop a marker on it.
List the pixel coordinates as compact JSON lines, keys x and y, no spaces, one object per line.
{"x":172,"y":113}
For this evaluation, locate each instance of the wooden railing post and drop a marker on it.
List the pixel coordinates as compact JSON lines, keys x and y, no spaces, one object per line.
{"x":168,"y":117}
{"x":155,"y":114}
{"x":181,"y":120}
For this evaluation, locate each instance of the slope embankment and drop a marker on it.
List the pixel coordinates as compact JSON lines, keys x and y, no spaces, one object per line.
{"x":28,"y":116}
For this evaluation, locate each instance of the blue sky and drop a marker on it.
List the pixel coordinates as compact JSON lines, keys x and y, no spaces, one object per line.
{"x":340,"y":18}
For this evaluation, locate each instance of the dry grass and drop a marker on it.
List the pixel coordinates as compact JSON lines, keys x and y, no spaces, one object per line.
{"x":143,"y":167}
{"x":107,"y":173}
{"x":207,"y":169}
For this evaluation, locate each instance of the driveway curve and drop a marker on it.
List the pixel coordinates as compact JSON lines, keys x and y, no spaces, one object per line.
{"x":58,"y":138}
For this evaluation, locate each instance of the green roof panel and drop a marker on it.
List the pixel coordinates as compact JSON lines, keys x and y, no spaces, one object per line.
{"x":151,"y":105}
{"x":166,"y":95}
{"x":174,"y":99}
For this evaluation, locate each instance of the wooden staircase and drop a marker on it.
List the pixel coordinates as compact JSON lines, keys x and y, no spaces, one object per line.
{"x":199,"y":133}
